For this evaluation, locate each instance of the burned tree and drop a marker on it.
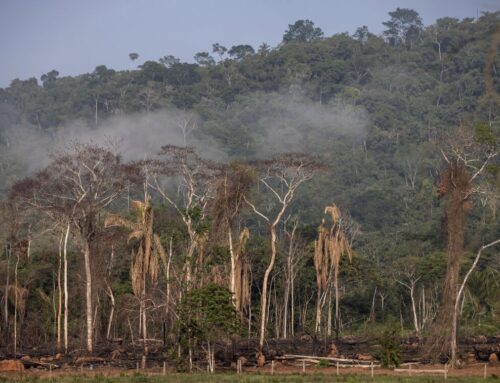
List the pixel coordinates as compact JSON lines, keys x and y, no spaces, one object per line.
{"x":280,"y":178}
{"x":467,"y":155}
{"x":78,"y":184}
{"x":330,"y":246}
{"x":231,"y":190}
{"x":195,"y":178}
{"x":147,"y":257}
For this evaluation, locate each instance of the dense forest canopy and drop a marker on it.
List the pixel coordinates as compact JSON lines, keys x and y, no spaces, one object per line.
{"x":172,"y":142}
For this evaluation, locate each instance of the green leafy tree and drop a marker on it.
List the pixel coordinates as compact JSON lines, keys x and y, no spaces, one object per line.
{"x":404,"y":27}
{"x":239,"y":52}
{"x":207,"y":315}
{"x":302,"y":30}
{"x":204,"y":59}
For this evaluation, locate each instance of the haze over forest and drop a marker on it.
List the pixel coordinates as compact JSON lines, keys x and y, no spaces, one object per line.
{"x":326,"y":186}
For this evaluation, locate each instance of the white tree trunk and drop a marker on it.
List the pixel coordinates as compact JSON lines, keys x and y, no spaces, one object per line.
{"x":263,"y":303}
{"x":88,"y":296}
{"x":65,"y":287}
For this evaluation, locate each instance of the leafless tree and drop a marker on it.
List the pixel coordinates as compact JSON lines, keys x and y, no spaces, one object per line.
{"x":78,"y":184}
{"x":187,"y":182}
{"x":280,"y":178}
{"x":233,"y":186}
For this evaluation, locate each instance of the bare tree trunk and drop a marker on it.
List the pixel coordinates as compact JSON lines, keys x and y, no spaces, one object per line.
{"x":337,"y":307}
{"x":7,"y":286}
{"x":88,"y":296}
{"x":59,"y":293}
{"x":65,"y":283}
{"x":414,"y":310}
{"x":112,"y":311}
{"x":263,"y":305}
{"x":292,"y":308}
{"x":189,"y":261}
{"x":318,"y":312}
{"x":144,"y":322}
{"x":329,"y":311}
{"x":232,"y":285}
{"x":16,"y":293}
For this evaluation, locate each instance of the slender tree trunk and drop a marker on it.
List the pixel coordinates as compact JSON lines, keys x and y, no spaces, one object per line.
{"x":263,"y":305}
{"x":6,"y":294}
{"x":59,"y":293}
{"x":88,"y":296}
{"x":232,"y":283}
{"x":329,"y":311}
{"x":112,"y":311}
{"x":292,"y":308}
{"x":337,"y":307}
{"x":16,"y":293}
{"x":414,"y":310}
{"x":65,"y":286}
{"x":317,"y":326}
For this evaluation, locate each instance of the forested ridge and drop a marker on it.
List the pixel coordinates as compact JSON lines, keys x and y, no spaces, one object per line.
{"x":318,"y":169}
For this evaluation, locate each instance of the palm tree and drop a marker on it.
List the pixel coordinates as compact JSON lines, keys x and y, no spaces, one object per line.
{"x":146,"y":255}
{"x":330,"y":246}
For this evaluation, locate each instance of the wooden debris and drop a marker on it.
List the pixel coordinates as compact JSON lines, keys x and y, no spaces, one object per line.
{"x":11,"y":366}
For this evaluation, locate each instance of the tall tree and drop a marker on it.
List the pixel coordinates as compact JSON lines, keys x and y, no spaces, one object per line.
{"x":196,"y":183}
{"x":148,"y":255}
{"x":78,"y":184}
{"x":302,"y":30}
{"x":404,"y":27}
{"x":331,"y":245}
{"x":280,"y":177}
{"x":467,"y":155}
{"x":232,"y":188}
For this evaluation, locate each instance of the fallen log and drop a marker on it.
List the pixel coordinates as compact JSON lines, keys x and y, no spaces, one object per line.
{"x":327,"y":358}
{"x":34,"y":364}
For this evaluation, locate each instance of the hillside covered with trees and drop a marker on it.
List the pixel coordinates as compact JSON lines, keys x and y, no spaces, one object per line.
{"x":328,"y":186}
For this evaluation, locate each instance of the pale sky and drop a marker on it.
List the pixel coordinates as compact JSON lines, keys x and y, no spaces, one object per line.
{"x":75,"y":36}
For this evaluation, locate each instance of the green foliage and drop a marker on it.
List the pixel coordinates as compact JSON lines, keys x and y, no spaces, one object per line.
{"x":303,"y":31}
{"x":207,"y":314}
{"x":389,"y":342}
{"x":484,"y":134}
{"x":370,"y":107}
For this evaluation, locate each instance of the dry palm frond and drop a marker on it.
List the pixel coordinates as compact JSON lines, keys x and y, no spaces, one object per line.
{"x":43,"y":296}
{"x":321,"y":256}
{"x":160,"y":251}
{"x":136,"y":234}
{"x":242,"y":268}
{"x":116,"y":220}
{"x":149,"y":250}
{"x":330,"y":246}
{"x":139,"y":206}
{"x":17,"y":297}
{"x":334,"y":212}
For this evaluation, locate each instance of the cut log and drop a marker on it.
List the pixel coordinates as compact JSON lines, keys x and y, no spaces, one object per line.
{"x":327,"y":358}
{"x":11,"y":366}
{"x":30,"y":363}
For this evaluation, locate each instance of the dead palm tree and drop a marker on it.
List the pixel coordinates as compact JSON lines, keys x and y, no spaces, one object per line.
{"x":146,"y":255}
{"x":330,"y":246}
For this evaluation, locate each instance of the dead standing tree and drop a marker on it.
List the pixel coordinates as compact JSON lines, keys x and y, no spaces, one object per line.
{"x":280,"y":178}
{"x":187,"y":182}
{"x":231,"y":190}
{"x":78,"y":185}
{"x":467,"y":156}
{"x":330,"y":246}
{"x":147,"y":256}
